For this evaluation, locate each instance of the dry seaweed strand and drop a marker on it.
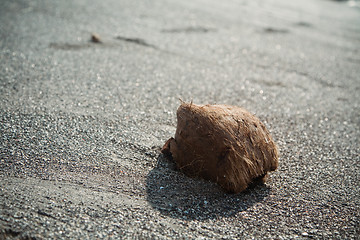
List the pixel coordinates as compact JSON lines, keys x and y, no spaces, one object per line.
{"x":221,"y":143}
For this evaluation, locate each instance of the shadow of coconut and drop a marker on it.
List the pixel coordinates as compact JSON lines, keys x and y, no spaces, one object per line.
{"x":178,"y":196}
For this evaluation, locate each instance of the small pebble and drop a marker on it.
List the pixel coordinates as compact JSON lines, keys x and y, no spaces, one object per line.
{"x":95,"y":38}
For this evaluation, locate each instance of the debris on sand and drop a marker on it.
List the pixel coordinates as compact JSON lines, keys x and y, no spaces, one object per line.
{"x":221,"y":143}
{"x":95,"y":38}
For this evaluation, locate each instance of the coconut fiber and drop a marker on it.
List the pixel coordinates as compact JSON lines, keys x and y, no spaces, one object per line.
{"x":224,"y":144}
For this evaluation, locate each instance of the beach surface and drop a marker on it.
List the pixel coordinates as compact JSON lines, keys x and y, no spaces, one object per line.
{"x":88,"y":96}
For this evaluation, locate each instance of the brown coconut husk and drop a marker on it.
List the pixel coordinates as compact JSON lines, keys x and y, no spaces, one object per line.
{"x":224,"y":144}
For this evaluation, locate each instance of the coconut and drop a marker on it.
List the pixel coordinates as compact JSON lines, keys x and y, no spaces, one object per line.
{"x":224,"y":144}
